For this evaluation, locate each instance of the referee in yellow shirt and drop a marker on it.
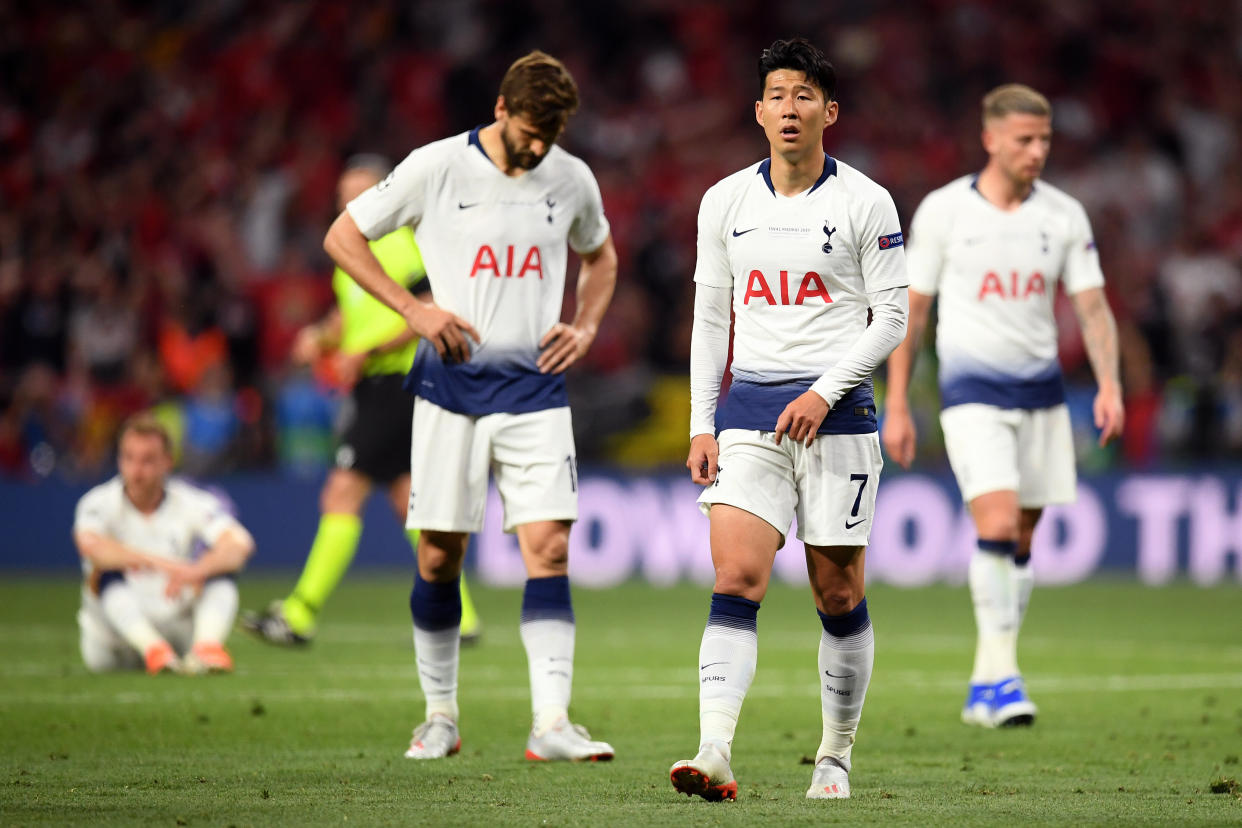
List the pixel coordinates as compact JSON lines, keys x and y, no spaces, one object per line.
{"x":373,"y":350}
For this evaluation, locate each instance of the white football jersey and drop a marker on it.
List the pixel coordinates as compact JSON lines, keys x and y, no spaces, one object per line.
{"x":996,"y":274}
{"x":800,"y":268}
{"x":495,"y":252}
{"x":187,"y":520}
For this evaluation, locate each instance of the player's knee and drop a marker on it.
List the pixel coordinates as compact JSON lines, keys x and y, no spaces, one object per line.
{"x":553,"y":553}
{"x":839,"y":600}
{"x":440,"y":554}
{"x":737,"y":580}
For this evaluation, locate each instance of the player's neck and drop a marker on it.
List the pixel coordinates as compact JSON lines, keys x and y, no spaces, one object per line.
{"x":145,"y":502}
{"x":494,"y":149}
{"x":793,"y":175}
{"x":1001,"y":190}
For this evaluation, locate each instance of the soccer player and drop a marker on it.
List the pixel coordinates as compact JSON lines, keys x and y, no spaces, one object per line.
{"x":147,"y":598}
{"x":373,"y":349}
{"x":493,"y":210}
{"x":800,"y":246}
{"x":993,"y":246}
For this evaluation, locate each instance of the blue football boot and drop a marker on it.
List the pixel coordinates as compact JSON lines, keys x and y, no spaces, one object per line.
{"x":1010,"y":705}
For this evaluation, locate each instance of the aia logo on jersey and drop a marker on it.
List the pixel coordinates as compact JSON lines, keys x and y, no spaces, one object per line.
{"x":827,"y":248}
{"x":811,"y":286}
{"x":892,"y":240}
{"x":485,"y":260}
{"x":1015,"y":288}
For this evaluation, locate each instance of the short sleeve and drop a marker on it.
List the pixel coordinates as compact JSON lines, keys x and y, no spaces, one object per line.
{"x":712,"y":262}
{"x":209,"y":516}
{"x":590,"y":227}
{"x":1082,"y":259}
{"x":925,"y":250}
{"x":91,"y":514}
{"x":882,"y":256}
{"x":398,"y":200}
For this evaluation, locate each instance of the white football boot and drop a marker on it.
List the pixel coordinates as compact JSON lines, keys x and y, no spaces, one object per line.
{"x":565,"y":741}
{"x":707,"y":775}
{"x":830,"y":780}
{"x":435,"y":738}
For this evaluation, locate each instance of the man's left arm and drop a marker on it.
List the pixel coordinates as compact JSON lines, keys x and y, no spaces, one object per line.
{"x":232,"y":547}
{"x":565,"y":344}
{"x":1099,"y":334}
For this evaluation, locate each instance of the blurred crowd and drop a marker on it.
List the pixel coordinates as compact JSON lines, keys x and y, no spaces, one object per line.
{"x":167,"y":172}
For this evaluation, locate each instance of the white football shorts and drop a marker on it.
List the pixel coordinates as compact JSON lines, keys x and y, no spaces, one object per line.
{"x":1029,"y":451}
{"x":531,"y":456}
{"x":830,"y":487}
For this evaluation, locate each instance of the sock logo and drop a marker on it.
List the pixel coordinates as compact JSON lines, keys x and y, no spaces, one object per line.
{"x":711,"y":664}
{"x":831,"y":674}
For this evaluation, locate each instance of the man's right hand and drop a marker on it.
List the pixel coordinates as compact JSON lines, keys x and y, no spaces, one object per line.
{"x":702,"y":462}
{"x":898,"y":435}
{"x":444,"y":330}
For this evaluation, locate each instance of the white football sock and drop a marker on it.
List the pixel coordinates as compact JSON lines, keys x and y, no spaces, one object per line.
{"x":215,"y":611}
{"x":845,"y":665}
{"x":124,"y":612}
{"x":728,"y":656}
{"x":437,"y":653}
{"x":995,"y":599}
{"x":549,"y":644}
{"x":1024,"y":583}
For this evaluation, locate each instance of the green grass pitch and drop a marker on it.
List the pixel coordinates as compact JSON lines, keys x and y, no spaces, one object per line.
{"x":1140,"y":696}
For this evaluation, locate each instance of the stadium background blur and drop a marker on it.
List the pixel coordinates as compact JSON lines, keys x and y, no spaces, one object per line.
{"x":167,"y":174}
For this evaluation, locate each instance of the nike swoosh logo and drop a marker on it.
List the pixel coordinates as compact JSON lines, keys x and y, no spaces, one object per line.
{"x":461,"y":205}
{"x":737,"y":232}
{"x":831,"y":674}
{"x":712,"y":664}
{"x":849,"y":525}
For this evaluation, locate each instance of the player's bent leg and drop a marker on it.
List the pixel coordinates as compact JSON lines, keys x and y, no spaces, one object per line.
{"x":102,"y":649}
{"x":123,"y":610}
{"x":213,"y":615}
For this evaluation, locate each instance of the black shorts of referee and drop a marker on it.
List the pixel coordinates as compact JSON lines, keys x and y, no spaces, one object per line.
{"x":374,"y":429}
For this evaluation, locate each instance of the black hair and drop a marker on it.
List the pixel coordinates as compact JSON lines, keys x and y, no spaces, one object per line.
{"x":801,"y":55}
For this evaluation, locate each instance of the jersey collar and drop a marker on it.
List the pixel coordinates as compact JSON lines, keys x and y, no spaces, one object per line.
{"x":974,"y":185}
{"x":830,"y":168}
{"x":474,"y":140}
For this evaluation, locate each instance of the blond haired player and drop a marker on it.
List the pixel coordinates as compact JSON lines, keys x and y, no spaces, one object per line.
{"x":159,"y":559}
{"x":994,"y":246}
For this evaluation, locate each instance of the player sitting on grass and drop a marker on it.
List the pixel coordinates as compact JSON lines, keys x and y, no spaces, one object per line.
{"x":146,"y":597}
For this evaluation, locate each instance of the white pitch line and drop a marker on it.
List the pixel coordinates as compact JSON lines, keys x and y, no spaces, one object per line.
{"x":891,"y":683}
